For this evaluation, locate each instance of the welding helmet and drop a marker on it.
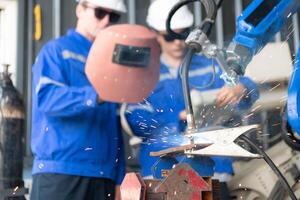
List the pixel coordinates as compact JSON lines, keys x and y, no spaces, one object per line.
{"x":123,"y":63}
{"x":114,"y":5}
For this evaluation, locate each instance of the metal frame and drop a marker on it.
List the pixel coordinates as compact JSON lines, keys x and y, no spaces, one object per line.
{"x":56,"y":12}
{"x":131,"y":11}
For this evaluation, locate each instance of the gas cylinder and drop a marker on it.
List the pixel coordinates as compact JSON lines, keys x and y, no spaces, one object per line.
{"x":11,"y":139}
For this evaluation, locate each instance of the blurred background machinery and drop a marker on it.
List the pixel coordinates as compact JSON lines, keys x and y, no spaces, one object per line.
{"x":25,"y":26}
{"x":254,"y":180}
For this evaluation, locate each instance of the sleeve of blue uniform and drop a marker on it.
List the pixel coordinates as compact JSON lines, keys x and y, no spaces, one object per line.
{"x":54,"y":95}
{"x":252,"y":93}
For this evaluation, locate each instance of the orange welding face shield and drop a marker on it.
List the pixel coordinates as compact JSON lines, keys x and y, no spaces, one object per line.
{"x":123,"y":63}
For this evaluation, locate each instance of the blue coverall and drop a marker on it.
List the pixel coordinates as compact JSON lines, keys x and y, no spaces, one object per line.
{"x":71,"y":133}
{"x":156,"y":119}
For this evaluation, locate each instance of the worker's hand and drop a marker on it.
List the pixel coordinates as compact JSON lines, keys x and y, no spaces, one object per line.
{"x":182,"y":115}
{"x":230,"y":95}
{"x":118,"y":193}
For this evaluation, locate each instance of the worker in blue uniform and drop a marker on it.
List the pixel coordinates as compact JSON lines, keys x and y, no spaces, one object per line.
{"x":76,"y":139}
{"x":160,"y":117}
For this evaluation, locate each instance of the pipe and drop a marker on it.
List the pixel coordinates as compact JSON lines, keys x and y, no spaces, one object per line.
{"x":56,"y":13}
{"x":220,"y":29}
{"x":296,"y":31}
{"x":131,"y":12}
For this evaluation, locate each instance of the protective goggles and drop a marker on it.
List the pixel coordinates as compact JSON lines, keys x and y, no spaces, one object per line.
{"x":171,"y":38}
{"x":100,"y":13}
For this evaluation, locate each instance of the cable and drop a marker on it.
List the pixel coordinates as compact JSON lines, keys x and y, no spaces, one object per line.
{"x":272,"y":165}
{"x":186,"y":89}
{"x":211,"y":12}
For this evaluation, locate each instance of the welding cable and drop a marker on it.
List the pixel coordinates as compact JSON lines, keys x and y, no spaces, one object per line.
{"x":211,"y":12}
{"x":184,"y":67}
{"x":268,"y":160}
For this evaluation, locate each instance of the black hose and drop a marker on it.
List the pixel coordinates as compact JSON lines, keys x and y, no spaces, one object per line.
{"x":281,"y":178}
{"x":211,"y":11}
{"x":186,"y":88}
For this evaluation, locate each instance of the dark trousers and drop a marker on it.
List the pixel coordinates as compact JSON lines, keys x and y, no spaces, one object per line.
{"x":224,"y":191}
{"x":66,"y":187}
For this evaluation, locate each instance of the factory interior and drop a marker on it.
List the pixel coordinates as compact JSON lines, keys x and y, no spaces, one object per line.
{"x":149,"y":99}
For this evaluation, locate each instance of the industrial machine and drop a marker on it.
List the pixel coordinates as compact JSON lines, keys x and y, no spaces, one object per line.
{"x":181,"y":181}
{"x":255,"y":181}
{"x":255,"y":27}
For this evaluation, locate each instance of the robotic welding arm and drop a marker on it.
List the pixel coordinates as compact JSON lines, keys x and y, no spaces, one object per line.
{"x":256,"y":26}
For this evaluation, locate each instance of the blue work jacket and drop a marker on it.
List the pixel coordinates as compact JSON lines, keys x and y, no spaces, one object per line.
{"x":71,"y":133}
{"x":156,"y":120}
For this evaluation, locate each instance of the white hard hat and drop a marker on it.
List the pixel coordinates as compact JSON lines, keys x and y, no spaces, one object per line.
{"x":115,"y":5}
{"x":158,"y":14}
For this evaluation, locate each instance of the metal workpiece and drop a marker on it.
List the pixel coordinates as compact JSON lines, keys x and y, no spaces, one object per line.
{"x":223,"y":142}
{"x":213,"y":143}
{"x":181,"y":182}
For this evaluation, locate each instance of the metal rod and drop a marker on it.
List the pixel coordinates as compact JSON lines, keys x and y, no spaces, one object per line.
{"x":278,"y":37}
{"x":219,"y":28}
{"x":238,"y":7}
{"x":131,"y":12}
{"x":56,"y":18}
{"x":296,"y":31}
{"x":30,"y":57}
{"x":197,"y":13}
{"x":1,"y":37}
{"x":21,"y":58}
{"x":265,"y":138}
{"x":184,"y":71}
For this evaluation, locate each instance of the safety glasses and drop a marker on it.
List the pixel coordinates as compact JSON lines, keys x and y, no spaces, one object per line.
{"x":100,"y":13}
{"x":171,"y":38}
